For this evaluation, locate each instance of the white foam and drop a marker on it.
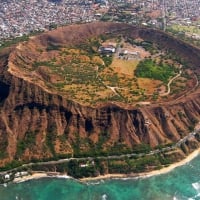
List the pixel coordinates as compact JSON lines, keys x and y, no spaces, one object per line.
{"x":130,"y":178}
{"x":198,"y":195}
{"x":93,"y":183}
{"x":21,"y":181}
{"x":5,"y":184}
{"x":104,"y":197}
{"x":183,"y":198}
{"x":63,"y":176}
{"x":196,"y":186}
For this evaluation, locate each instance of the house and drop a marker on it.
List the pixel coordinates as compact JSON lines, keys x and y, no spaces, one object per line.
{"x":107,"y":49}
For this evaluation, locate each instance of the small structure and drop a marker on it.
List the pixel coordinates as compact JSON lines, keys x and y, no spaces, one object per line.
{"x":128,"y":55}
{"x":83,"y":165}
{"x":21,"y":174}
{"x":7,"y":176}
{"x":18,"y":174}
{"x":147,"y":122}
{"x":107,"y":49}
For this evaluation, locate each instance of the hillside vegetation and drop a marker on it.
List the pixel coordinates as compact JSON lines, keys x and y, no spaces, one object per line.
{"x":137,"y":71}
{"x":150,"y":69}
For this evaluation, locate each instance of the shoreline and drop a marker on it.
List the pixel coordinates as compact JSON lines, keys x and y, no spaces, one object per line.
{"x":164,"y":170}
{"x":39,"y":175}
{"x":36,"y":175}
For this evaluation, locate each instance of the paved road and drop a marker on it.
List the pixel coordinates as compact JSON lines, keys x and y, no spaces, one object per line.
{"x":178,"y":144}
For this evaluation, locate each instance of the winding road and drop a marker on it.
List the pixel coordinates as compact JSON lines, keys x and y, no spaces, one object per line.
{"x":156,"y":151}
{"x":169,"y":83}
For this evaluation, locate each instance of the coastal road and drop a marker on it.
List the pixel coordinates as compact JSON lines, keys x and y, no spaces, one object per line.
{"x":156,"y":151}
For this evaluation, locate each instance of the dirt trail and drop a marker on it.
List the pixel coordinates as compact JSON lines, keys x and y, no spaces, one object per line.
{"x":169,"y":83}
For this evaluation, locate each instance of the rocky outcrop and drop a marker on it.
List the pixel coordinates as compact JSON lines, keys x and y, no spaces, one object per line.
{"x":37,"y":123}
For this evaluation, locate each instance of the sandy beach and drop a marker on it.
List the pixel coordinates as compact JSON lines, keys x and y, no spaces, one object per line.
{"x":30,"y":177}
{"x":147,"y":174}
{"x":38,"y":175}
{"x":174,"y":165}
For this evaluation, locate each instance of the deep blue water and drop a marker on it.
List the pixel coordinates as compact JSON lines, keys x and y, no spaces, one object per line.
{"x":180,"y":184}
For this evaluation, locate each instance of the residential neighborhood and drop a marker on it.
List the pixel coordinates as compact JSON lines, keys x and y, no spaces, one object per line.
{"x":23,"y":17}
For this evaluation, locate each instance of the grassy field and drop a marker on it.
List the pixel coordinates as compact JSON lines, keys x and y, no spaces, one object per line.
{"x":124,"y":66}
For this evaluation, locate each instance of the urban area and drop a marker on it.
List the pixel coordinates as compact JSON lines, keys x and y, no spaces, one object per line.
{"x":18,"y":18}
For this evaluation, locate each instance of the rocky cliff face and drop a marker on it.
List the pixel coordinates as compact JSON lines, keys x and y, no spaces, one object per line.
{"x":36,"y":123}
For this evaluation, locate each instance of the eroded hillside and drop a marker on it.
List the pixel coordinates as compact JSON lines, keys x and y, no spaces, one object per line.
{"x":38,"y":121}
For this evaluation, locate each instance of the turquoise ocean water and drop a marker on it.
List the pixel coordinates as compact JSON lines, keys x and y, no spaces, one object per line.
{"x":183,"y":183}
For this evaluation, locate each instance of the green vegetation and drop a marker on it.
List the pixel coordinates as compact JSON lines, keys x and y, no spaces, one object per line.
{"x":87,"y":76}
{"x":141,"y":161}
{"x":107,"y":60}
{"x":90,"y":47}
{"x":142,"y":148}
{"x":12,"y":41}
{"x":53,"y":26}
{"x":84,"y":74}
{"x":150,"y":69}
{"x":3,"y":146}
{"x":83,"y":69}
{"x":27,"y":142}
{"x":106,"y":18}
{"x":50,"y":139}
{"x":189,"y":33}
{"x":87,"y":148}
{"x":96,"y":166}
{"x":16,"y":40}
{"x":11,"y":165}
{"x":51,"y":47}
{"x":147,"y":45}
{"x":43,"y":63}
{"x":75,"y":169}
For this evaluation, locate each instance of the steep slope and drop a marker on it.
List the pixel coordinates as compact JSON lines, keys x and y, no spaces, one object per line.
{"x":37,"y":122}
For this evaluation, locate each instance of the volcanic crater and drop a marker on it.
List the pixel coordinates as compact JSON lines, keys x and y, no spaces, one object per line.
{"x":61,"y":96}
